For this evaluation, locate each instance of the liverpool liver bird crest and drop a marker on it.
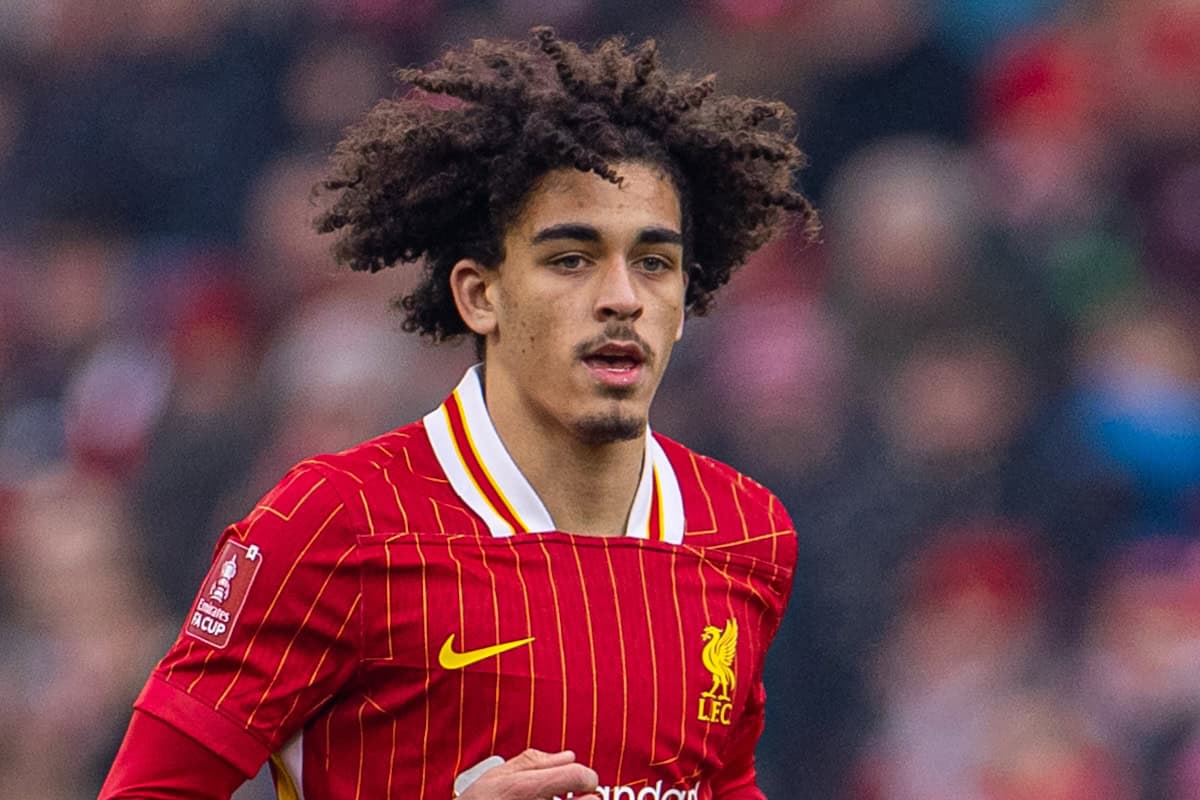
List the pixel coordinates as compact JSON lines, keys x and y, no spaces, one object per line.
{"x":720,"y":647}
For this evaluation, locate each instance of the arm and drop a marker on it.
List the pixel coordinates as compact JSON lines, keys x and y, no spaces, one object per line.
{"x":158,"y":762}
{"x":269,"y":638}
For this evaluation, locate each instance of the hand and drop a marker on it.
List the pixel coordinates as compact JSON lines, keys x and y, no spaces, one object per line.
{"x":534,"y":775}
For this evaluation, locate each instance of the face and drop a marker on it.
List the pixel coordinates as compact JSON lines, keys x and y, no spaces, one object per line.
{"x":581,"y":316}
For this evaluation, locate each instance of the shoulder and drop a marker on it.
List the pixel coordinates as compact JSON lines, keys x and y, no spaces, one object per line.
{"x":342,"y":485}
{"x":726,"y":508}
{"x":376,"y":462}
{"x":367,"y":460}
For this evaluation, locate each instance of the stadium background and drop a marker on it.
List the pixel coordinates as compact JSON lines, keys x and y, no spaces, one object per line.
{"x":979,"y":397}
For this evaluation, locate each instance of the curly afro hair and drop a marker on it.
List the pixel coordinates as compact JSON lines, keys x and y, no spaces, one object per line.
{"x":440,"y":174}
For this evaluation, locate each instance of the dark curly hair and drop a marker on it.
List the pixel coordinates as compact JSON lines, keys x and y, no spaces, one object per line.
{"x":441,"y":178}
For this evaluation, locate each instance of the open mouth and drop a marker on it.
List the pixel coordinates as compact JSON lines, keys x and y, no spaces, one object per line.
{"x":617,"y":364}
{"x":612,"y":362}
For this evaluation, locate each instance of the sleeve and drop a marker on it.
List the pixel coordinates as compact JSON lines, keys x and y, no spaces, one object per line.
{"x":272,"y":634}
{"x":737,"y":779}
{"x":157,"y":762}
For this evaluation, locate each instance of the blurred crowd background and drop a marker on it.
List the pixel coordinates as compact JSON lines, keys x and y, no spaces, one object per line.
{"x":979,"y":397}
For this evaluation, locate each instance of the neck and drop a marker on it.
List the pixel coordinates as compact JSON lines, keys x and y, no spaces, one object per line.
{"x":587,"y":488}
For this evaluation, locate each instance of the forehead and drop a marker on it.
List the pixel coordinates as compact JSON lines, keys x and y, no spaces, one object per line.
{"x":646,"y":197}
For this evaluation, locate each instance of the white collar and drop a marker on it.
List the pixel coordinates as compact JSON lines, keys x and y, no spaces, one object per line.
{"x":484,"y":475}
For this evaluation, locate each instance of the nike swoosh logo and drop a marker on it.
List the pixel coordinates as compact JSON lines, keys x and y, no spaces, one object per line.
{"x":450,"y":658}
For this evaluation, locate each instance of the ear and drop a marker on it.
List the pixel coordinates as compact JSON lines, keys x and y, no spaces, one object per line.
{"x":469,"y":283}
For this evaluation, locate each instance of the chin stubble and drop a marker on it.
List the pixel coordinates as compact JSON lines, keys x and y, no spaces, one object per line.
{"x":610,"y":428}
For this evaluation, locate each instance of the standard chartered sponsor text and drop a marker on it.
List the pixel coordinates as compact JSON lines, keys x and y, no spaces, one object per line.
{"x":651,"y":791}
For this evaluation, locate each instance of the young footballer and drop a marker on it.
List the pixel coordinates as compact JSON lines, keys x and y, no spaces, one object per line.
{"x":527,"y":593}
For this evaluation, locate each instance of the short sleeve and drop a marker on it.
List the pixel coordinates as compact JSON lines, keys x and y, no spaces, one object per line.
{"x":273,"y":631}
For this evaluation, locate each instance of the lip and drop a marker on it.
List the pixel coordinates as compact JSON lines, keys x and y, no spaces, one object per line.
{"x":612,"y":375}
{"x":615,"y":377}
{"x":631,"y":350}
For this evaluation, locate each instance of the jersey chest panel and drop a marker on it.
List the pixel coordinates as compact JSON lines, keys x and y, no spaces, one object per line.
{"x":638,"y":656}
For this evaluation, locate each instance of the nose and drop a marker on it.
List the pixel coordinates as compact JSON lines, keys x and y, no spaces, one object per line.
{"x":617,"y":297}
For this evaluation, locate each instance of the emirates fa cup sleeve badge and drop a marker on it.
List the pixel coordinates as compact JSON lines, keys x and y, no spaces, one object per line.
{"x":216,"y":610}
{"x":219,"y":592}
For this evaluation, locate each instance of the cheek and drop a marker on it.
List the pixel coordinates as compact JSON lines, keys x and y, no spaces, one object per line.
{"x":533,"y":332}
{"x":680,"y":311}
{"x":672,"y":318}
{"x":517,"y":324}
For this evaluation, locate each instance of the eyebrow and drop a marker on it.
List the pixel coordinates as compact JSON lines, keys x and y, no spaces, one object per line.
{"x":656,"y":235}
{"x":579,"y":232}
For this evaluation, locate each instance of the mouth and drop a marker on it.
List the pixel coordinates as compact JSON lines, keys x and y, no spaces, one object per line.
{"x":616,"y":364}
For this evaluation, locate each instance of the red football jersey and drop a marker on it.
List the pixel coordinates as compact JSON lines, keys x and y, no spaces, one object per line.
{"x":390,"y":616}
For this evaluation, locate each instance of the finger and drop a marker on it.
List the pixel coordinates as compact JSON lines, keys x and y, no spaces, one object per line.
{"x":537,"y":759}
{"x":533,"y":774}
{"x":551,"y":781}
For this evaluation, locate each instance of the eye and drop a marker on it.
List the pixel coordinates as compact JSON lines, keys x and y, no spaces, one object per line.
{"x":655,"y":264}
{"x":569,"y":262}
